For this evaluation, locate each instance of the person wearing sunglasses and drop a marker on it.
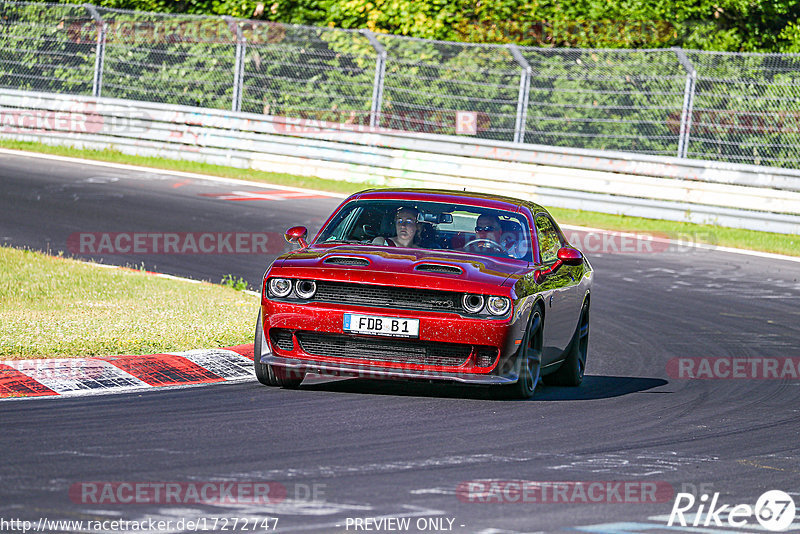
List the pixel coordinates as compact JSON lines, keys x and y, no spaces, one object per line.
{"x":488,"y":237}
{"x":488,"y":227}
{"x":406,"y":230}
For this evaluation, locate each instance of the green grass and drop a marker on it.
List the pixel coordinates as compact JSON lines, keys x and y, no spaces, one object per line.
{"x":685,"y":232}
{"x":715,"y":235}
{"x":57,"y":307}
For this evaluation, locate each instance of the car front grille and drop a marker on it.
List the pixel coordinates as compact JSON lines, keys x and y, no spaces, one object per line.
{"x":485,"y":356}
{"x":388,"y":297}
{"x":387,"y":350}
{"x":281,"y":338}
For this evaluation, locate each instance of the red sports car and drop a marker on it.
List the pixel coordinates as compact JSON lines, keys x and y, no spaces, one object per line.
{"x":429,"y":285}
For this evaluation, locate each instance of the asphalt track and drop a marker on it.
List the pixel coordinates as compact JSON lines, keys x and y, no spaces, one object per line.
{"x":346,"y":450}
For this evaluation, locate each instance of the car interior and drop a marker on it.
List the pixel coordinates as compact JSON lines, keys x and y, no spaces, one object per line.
{"x":439,"y":227}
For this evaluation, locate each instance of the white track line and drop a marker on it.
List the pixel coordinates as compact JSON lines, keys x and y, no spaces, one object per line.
{"x":181,"y":174}
{"x":159,"y":275}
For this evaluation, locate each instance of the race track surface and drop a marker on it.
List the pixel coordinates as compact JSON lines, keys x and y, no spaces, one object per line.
{"x":336,"y":452}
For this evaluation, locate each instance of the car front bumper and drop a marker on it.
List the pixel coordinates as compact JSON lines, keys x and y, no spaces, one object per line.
{"x":388,"y":357}
{"x":366,"y":371}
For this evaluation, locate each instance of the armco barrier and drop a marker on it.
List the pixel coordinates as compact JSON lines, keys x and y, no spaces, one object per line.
{"x":735,"y":195}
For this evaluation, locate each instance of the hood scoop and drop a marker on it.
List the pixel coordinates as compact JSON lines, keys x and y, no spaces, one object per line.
{"x":438,"y":268}
{"x":346,"y":260}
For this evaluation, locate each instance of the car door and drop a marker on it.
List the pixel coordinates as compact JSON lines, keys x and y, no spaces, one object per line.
{"x":559,"y":291}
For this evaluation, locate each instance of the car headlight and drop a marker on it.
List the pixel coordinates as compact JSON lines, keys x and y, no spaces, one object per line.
{"x":280,"y":287}
{"x":305,"y":289}
{"x":498,"y":305}
{"x":472,"y":303}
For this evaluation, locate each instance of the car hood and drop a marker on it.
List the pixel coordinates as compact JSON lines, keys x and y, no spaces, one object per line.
{"x":405,"y":266}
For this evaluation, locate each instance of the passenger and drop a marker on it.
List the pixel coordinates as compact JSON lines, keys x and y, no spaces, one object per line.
{"x":406,"y":230}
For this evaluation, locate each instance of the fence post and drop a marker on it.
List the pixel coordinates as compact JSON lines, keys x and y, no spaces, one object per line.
{"x":524,"y":92}
{"x":100,"y":51}
{"x":238,"y":63}
{"x":380,"y":73}
{"x":688,"y":102}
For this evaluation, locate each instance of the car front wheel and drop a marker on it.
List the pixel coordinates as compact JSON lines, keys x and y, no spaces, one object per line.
{"x":270,"y":375}
{"x":264,"y":372}
{"x":528,"y":360}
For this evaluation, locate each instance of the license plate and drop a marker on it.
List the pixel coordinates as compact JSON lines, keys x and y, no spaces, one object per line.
{"x":380,"y":326}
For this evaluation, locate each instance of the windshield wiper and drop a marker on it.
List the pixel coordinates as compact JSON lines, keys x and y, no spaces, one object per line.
{"x":340,"y":241}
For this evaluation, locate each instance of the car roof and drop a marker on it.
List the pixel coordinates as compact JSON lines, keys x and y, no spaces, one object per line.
{"x":483,"y":200}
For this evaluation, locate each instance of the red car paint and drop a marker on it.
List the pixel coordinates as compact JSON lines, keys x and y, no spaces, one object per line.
{"x":390,"y":267}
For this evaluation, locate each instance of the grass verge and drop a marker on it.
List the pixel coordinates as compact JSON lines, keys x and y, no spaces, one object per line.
{"x":714,"y":235}
{"x":56,"y":307}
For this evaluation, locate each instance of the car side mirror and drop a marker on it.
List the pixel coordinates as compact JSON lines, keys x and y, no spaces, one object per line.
{"x":297,"y":234}
{"x":570,"y":256}
{"x":566,"y":256}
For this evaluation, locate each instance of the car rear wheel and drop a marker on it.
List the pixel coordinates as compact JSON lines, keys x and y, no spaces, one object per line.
{"x":571,"y":371}
{"x":528,"y":360}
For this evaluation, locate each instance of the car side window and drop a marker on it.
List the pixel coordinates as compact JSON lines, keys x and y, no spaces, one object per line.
{"x":549,"y":240}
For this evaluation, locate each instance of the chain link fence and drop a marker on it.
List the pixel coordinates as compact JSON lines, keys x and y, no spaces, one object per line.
{"x":742,"y":108}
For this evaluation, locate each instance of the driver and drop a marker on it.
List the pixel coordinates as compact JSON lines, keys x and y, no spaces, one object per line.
{"x":488,"y":227}
{"x":489,"y":235}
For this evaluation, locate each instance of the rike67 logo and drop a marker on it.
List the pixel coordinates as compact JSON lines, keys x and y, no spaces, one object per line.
{"x":774,"y":510}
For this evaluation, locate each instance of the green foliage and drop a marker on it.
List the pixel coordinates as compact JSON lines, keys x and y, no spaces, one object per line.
{"x":40,"y":50}
{"x":307,"y":71}
{"x":237,"y":283}
{"x":721,"y":25}
{"x":618,"y":98}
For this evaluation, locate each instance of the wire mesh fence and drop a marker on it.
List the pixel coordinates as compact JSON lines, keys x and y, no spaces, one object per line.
{"x":742,"y":108}
{"x":313,"y":73}
{"x":605,"y":99}
{"x":428,"y":82}
{"x":39,"y":51}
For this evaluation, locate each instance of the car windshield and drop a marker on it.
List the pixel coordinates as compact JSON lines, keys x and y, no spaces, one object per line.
{"x":431,"y":225}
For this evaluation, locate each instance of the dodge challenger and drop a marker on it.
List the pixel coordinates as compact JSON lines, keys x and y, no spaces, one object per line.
{"x":440,"y":286}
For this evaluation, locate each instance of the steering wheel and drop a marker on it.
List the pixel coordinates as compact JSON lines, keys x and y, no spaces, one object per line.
{"x":487,"y":243}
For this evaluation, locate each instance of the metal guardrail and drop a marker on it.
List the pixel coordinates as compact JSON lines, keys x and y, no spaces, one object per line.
{"x":726,"y":194}
{"x":736,"y":107}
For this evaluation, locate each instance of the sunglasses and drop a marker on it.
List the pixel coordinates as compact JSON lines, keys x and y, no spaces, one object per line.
{"x":486,"y":228}
{"x":405,"y":221}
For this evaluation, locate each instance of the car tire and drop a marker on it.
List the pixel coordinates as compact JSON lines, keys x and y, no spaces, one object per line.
{"x":288,"y":378}
{"x":270,"y":375}
{"x":528,"y":360}
{"x":571,"y":372}
{"x":264,"y":373}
